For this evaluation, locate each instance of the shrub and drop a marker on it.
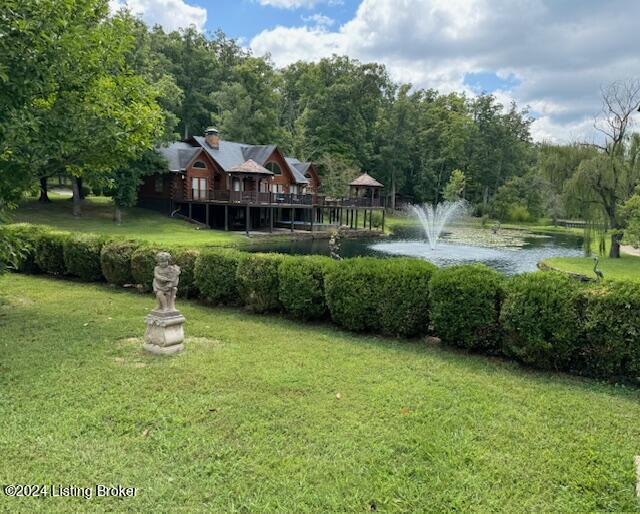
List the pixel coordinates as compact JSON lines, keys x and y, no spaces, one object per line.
{"x":24,"y":237}
{"x":186,"y":259}
{"x":612,"y":331}
{"x":465,"y":306}
{"x":257,"y":277}
{"x":301,"y":286}
{"x":49,"y":252}
{"x":82,"y":256}
{"x":390,"y":295}
{"x":115,"y":260}
{"x":143,"y":261}
{"x":541,"y":317}
{"x":215,"y":276}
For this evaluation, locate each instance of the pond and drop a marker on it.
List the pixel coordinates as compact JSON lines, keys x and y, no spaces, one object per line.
{"x":508,"y":251}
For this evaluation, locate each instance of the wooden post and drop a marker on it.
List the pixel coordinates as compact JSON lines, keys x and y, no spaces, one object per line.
{"x":383,"y":212}
{"x":207,"y":215}
{"x":313,"y":213}
{"x":270,"y":219}
{"x":340,"y":215}
{"x":247,"y":220}
{"x":293,"y":215}
{"x":190,"y":208}
{"x":226,"y":217}
{"x":370,"y":216}
{"x":356,"y":223}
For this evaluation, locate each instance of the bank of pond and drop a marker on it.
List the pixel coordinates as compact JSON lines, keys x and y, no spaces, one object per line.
{"x":543,"y":319}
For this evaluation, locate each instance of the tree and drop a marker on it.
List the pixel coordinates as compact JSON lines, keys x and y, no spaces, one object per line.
{"x":123,"y":183}
{"x":608,"y":179}
{"x":454,"y":190}
{"x":338,"y":174}
{"x":631,"y":215}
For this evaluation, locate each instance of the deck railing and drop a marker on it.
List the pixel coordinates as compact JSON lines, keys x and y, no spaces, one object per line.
{"x":274,"y":199}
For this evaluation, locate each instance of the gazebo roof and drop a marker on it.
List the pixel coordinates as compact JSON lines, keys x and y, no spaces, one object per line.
{"x":365,"y":180}
{"x":250,"y":166}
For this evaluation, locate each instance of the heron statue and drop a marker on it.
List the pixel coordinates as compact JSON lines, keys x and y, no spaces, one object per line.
{"x":598,"y":273}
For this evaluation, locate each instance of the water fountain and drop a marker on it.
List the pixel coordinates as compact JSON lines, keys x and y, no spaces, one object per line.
{"x":434,"y":218}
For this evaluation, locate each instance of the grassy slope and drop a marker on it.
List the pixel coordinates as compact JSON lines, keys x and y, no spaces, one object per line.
{"x":137,"y":223}
{"x":248,"y":419}
{"x":625,"y":268}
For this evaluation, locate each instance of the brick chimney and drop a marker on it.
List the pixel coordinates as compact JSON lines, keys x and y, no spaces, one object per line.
{"x":212,"y":137}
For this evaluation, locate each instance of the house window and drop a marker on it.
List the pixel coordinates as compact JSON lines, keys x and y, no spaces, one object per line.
{"x":199,"y":188}
{"x":159,"y":184}
{"x":237,"y":185}
{"x":293,"y":189}
{"x":199,"y":164}
{"x":277,"y":188}
{"x":273,"y":168}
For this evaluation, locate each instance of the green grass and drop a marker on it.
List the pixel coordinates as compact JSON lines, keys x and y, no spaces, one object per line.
{"x":248,"y":419}
{"x":143,"y":224}
{"x":627,"y":267}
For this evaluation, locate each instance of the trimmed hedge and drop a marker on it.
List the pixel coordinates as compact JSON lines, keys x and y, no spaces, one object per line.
{"x":389,"y":295}
{"x":541,"y":317}
{"x":257,"y":279}
{"x":24,"y":236}
{"x":301,"y":286}
{"x":215,"y":276}
{"x":115,"y":261}
{"x":612,"y":332}
{"x":186,"y":259}
{"x":465,"y":306}
{"x":143,"y":261}
{"x":49,"y":252}
{"x":82,"y":256}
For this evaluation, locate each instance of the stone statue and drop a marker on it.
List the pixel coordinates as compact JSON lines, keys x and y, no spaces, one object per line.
{"x":165,"y":282}
{"x":165,"y":332}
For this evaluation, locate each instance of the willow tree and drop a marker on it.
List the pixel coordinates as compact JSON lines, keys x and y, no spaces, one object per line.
{"x":605,"y":181}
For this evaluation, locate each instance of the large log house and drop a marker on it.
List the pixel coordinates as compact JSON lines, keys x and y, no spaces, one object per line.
{"x":236,"y":186}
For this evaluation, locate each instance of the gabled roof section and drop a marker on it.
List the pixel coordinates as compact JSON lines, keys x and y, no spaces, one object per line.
{"x":227,"y":155}
{"x":366,"y":180}
{"x":250,"y":166}
{"x":178,"y":155}
{"x":299,"y":169}
{"x":258,"y":153}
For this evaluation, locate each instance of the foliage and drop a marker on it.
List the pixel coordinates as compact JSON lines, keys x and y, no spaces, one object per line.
{"x":390,"y":295}
{"x":82,"y":256}
{"x":49,"y":252}
{"x":301,"y":286}
{"x":143,"y":262}
{"x":612,"y":332}
{"x":338,"y":173}
{"x":257,"y":279}
{"x":115,"y":261}
{"x":541,"y":316}
{"x":465,"y":306}
{"x":631,"y":214}
{"x":454,"y":190}
{"x":520,"y":199}
{"x":20,"y":244}
{"x":215,"y":276}
{"x":186,"y":259}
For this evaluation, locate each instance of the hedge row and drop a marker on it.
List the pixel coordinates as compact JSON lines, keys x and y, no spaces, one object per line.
{"x":546,"y":320}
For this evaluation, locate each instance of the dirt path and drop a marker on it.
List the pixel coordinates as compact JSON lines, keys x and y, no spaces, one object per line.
{"x":630,"y":250}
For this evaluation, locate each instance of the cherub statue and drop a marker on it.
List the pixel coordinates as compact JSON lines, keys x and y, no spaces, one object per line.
{"x":165,"y":282}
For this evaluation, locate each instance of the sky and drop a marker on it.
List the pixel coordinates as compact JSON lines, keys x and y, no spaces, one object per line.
{"x":550,"y":55}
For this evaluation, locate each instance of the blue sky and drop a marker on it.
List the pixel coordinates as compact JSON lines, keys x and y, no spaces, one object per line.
{"x":247,"y":18}
{"x":553,"y":56}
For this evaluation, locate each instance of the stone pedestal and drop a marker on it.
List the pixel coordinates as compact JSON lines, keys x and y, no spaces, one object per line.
{"x":164,"y":333}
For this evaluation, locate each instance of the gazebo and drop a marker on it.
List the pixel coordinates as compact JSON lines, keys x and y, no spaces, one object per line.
{"x":366,"y":187}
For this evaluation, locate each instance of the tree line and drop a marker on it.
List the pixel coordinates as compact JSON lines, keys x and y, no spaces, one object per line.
{"x":89,"y":94}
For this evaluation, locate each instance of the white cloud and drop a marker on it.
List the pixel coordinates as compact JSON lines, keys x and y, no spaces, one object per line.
{"x":318,"y":20}
{"x":297,"y":4}
{"x":561,"y":52}
{"x":171,"y":14}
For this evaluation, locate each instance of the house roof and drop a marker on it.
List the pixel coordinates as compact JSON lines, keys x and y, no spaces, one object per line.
{"x":178,"y":155}
{"x":366,"y":180}
{"x":249,"y":166}
{"x":230,"y":156}
{"x":299,"y":169}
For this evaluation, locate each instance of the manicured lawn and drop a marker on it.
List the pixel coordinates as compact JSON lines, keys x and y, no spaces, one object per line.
{"x":265,"y":414}
{"x":144,"y":224}
{"x":626,"y":267}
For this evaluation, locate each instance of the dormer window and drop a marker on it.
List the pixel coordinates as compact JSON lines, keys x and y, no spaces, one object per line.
{"x":199,"y":164}
{"x":273,"y":168}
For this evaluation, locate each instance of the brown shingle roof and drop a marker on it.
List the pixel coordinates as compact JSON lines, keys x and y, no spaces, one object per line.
{"x":366,"y":180}
{"x":250,"y":166}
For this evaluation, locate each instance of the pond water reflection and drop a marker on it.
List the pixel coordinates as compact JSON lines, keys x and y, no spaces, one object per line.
{"x":508,"y":251}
